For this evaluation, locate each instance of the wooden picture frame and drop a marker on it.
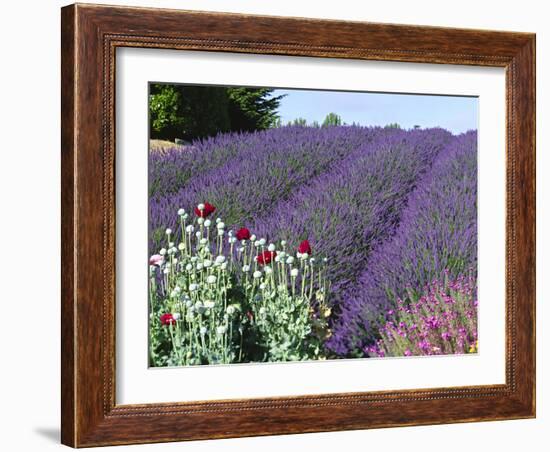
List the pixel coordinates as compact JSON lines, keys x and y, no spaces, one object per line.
{"x":90,"y":36}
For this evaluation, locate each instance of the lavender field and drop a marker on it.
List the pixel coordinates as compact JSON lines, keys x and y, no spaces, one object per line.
{"x":301,"y":242}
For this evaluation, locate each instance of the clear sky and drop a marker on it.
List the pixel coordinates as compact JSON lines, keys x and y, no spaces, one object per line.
{"x":456,"y":114}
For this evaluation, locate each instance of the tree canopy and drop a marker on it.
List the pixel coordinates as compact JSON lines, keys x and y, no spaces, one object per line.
{"x":191,"y":112}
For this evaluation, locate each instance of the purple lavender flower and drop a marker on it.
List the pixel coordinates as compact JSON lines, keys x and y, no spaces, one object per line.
{"x":436,"y":239}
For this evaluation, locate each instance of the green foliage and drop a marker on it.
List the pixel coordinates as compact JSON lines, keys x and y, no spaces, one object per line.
{"x":332,"y":119}
{"x":211,"y":303}
{"x":302,"y":122}
{"x":252,"y":108}
{"x":191,"y":112}
{"x":392,"y":125}
{"x":165,"y":119}
{"x":188,"y":112}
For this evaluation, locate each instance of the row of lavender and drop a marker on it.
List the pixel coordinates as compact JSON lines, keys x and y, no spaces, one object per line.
{"x":436,"y":242}
{"x":392,"y":210}
{"x":357,"y":204}
{"x":244,"y":175}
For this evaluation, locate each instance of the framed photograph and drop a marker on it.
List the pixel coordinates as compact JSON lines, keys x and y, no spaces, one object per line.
{"x":281,"y":225}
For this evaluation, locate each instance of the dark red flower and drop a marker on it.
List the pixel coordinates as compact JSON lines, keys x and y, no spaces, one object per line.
{"x":167,"y":319}
{"x":243,"y":234}
{"x":304,"y":247}
{"x":208,"y":210}
{"x":266,"y":257}
{"x":250,"y":316}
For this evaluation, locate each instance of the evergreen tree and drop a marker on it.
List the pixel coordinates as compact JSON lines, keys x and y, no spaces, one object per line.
{"x":252,"y":108}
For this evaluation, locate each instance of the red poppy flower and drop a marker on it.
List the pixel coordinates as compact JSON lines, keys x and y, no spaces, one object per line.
{"x":208,"y":210}
{"x":243,"y":234}
{"x":167,"y":319}
{"x":266,"y":257}
{"x":304,"y":247}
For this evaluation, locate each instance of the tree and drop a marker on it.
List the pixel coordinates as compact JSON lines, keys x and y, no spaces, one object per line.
{"x":188,"y":112}
{"x":165,"y":116}
{"x":191,"y":112}
{"x":252,"y":108}
{"x":332,"y":119}
{"x":392,"y":125}
{"x":302,"y":122}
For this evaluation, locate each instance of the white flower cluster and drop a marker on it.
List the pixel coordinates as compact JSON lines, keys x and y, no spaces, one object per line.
{"x":211,"y":286}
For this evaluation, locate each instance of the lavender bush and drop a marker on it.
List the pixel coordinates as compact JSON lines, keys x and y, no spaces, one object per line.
{"x":443,"y":321}
{"x":361,"y":233}
{"x":245,"y":175}
{"x":346,"y":211}
{"x":437,"y":232}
